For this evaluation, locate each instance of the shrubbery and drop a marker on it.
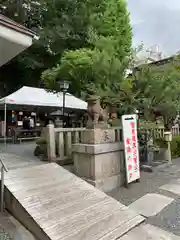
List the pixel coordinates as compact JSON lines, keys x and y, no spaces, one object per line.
{"x":41,"y":140}
{"x":175,"y":145}
{"x":160,"y":142}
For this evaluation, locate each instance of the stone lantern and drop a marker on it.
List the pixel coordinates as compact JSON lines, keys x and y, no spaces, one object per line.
{"x":168,"y":139}
{"x":168,"y":136}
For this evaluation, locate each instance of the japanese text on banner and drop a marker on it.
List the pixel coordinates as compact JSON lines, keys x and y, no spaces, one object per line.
{"x":131,"y":149}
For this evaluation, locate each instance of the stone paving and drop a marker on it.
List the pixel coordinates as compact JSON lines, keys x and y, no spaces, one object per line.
{"x":149,"y":183}
{"x":157,"y":197}
{"x":168,"y":219}
{"x":25,"y":150}
{"x":150,"y":204}
{"x":148,"y":232}
{"x":172,"y":187}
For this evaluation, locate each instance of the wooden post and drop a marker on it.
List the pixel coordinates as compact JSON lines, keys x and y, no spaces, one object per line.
{"x":51,"y":143}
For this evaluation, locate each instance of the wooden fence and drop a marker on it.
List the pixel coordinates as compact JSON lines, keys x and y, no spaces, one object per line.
{"x":61,"y":139}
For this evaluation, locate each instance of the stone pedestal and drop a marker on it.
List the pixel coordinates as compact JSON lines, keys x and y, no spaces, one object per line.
{"x":100,"y":160}
{"x":98,"y":136}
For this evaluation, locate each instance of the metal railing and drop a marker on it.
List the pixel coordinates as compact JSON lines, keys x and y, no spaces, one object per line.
{"x":3,"y":168}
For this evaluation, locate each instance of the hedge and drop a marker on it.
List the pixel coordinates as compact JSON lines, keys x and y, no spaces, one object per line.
{"x":175,"y":145}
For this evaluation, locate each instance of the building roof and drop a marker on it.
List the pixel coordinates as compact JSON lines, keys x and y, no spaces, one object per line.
{"x":7,"y":22}
{"x":162,"y":61}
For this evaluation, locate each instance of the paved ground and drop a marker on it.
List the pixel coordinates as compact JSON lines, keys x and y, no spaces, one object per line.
{"x":24,"y":149}
{"x":10,"y":228}
{"x":163,"y":177}
{"x":149,"y":232}
{"x":164,"y":181}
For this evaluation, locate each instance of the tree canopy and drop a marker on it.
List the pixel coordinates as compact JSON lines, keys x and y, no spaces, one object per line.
{"x":89,"y":43}
{"x":61,"y":25}
{"x":154,"y":90}
{"x":100,"y":65}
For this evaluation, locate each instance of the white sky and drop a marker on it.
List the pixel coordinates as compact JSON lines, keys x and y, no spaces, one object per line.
{"x":156,"y":22}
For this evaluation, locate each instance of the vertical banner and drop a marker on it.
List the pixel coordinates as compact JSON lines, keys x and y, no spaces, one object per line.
{"x":131,"y":149}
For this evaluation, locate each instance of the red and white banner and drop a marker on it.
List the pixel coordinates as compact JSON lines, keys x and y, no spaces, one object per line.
{"x":131,"y":149}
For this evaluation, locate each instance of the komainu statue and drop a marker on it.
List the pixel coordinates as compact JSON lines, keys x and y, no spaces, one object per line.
{"x":97,"y":116}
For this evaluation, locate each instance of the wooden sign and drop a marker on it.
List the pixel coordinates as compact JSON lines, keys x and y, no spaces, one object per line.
{"x":131,"y":149}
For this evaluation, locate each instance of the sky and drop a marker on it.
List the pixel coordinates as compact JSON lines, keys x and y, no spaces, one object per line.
{"x":156,"y":22}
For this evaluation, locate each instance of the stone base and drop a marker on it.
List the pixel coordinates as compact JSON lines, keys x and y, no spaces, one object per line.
{"x":91,"y":125}
{"x":102,"y":165}
{"x":160,"y":155}
{"x":98,"y":136}
{"x":108,"y":184}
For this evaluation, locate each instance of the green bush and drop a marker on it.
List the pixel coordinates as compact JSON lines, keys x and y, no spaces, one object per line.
{"x":175,"y":145}
{"x":115,"y":123}
{"x":160,"y":142}
{"x":41,"y":141}
{"x":41,"y":147}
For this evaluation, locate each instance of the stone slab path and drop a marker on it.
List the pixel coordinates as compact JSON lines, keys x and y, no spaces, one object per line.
{"x":157,"y":198}
{"x":150,"y":204}
{"x":173,"y":187}
{"x":149,"y":232}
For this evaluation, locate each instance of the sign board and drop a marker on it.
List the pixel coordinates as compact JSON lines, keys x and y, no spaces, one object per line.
{"x":131,"y":149}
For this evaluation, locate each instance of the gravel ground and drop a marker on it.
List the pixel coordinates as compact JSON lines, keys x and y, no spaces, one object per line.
{"x":169,"y":218}
{"x":4,"y":235}
{"x":149,"y":183}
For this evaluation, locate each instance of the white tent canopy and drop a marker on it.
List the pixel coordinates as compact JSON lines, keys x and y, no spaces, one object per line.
{"x":40,"y":97}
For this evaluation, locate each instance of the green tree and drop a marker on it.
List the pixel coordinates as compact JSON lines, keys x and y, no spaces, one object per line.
{"x":99,"y":66}
{"x":61,"y":25}
{"x":154,"y":90}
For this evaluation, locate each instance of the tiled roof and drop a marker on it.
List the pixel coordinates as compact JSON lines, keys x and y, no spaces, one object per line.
{"x":7,"y":22}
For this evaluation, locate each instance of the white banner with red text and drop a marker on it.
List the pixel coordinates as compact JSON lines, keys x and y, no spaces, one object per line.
{"x":131,"y":148}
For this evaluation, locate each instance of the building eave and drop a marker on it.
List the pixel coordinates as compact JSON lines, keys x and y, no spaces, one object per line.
{"x":4,"y":21}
